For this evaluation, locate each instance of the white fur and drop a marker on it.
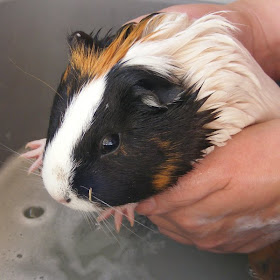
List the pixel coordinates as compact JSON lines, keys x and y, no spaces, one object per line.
{"x":58,"y":162}
{"x":204,"y":53}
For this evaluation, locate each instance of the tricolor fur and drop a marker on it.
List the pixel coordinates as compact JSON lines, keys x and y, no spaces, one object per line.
{"x":167,"y":89}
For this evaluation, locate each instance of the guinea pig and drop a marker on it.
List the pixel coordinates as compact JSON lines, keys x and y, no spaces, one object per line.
{"x":135,"y":110}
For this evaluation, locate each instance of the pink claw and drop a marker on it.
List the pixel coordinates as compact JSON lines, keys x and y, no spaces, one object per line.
{"x":130,"y":213}
{"x":118,"y":212}
{"x":37,"y":149}
{"x":118,"y":220}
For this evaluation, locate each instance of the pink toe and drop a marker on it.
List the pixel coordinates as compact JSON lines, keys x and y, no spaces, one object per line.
{"x":130,"y":215}
{"x":105,"y":215}
{"x":36,"y":144}
{"x":118,"y":220}
{"x":35,"y":165}
{"x":31,"y":154}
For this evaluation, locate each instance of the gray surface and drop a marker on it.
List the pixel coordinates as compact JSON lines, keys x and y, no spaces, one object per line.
{"x":60,"y":244}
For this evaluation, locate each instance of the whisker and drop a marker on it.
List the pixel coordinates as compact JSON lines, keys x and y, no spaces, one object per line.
{"x":93,"y":219}
{"x":33,"y":173}
{"x":90,"y":214}
{"x":114,"y":208}
{"x":34,"y":77}
{"x":107,"y":224}
{"x":133,"y":232}
{"x":15,"y":152}
{"x":87,"y":219}
{"x":26,"y":170}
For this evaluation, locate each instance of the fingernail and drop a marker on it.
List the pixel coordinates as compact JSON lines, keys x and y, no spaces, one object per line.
{"x":146,"y":207}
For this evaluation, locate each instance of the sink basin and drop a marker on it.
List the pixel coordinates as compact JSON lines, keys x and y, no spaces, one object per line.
{"x":40,"y":239}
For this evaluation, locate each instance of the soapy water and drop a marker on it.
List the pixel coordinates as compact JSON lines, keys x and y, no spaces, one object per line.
{"x":92,"y":252}
{"x":42,"y":239}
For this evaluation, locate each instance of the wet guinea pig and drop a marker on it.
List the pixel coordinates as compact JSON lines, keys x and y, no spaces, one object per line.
{"x":135,"y":110}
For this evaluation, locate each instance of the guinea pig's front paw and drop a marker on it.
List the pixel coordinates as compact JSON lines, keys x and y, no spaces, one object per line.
{"x":118,"y":212}
{"x":37,"y":148}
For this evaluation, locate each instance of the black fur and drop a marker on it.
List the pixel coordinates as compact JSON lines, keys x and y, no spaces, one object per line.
{"x":90,"y":41}
{"x":128,"y":173}
{"x":57,"y":111}
{"x":74,"y":80}
{"x":123,"y":177}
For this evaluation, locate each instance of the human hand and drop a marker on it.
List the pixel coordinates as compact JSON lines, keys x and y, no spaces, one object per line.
{"x":231,"y":201}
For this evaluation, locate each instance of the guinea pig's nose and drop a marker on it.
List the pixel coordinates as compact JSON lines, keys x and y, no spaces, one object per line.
{"x":64,"y":200}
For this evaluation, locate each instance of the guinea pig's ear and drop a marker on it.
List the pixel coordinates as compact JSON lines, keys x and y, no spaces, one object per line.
{"x":158,"y":92}
{"x":80,"y":38}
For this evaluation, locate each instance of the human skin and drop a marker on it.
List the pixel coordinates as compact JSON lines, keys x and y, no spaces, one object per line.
{"x":230,"y":202}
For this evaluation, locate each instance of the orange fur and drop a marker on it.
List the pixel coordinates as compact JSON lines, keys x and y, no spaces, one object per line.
{"x":68,"y":90}
{"x":162,"y":144}
{"x":66,"y":73}
{"x":95,"y":64}
{"x":164,"y":177}
{"x":123,"y":151}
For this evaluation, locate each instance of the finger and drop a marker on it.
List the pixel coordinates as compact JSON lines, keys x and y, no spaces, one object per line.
{"x":201,"y":244}
{"x":168,"y":224}
{"x":186,"y":223}
{"x":176,"y":237}
{"x":259,"y":243}
{"x":232,"y":242}
{"x":185,"y":240}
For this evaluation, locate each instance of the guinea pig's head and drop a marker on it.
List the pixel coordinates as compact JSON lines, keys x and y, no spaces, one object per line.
{"x":124,"y":126}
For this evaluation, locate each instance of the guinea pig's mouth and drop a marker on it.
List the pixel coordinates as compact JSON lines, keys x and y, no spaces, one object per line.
{"x":81,"y":204}
{"x":64,"y":200}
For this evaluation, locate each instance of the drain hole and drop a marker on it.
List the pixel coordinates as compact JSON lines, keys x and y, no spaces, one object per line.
{"x":33,"y":212}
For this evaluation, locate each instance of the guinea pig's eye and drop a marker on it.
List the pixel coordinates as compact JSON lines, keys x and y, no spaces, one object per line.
{"x":110,"y":143}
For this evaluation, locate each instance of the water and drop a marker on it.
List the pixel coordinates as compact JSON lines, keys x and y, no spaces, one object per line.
{"x":41,"y":239}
